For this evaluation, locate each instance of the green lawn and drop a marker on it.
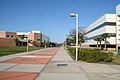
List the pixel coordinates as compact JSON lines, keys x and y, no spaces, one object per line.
{"x":17,"y":49}
{"x":116,"y":59}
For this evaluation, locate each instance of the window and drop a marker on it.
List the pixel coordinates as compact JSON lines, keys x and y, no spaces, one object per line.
{"x":7,"y":36}
{"x":111,"y":23}
{"x":11,"y":36}
{"x":38,"y":39}
{"x":112,"y":34}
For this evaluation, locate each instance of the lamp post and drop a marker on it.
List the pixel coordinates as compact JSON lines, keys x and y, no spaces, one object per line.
{"x":45,"y":43}
{"x":76,"y":16}
{"x":27,"y":44}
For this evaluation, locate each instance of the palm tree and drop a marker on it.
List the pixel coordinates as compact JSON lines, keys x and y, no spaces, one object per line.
{"x":104,"y":38}
{"x":98,"y":40}
{"x":22,"y":38}
{"x":17,"y":41}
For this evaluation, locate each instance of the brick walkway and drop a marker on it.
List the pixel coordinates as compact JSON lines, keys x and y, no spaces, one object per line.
{"x":26,"y":67}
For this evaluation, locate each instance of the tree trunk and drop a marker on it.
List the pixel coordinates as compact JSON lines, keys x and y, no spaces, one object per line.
{"x":80,"y":46}
{"x":97,"y":44}
{"x":22,"y":42}
{"x":105,"y":45}
{"x":100,"y":44}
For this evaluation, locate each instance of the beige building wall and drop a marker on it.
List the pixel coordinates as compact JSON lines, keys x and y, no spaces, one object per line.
{"x":7,"y":42}
{"x":7,"y":38}
{"x":4,"y":34}
{"x":11,"y":34}
{"x":34,"y":37}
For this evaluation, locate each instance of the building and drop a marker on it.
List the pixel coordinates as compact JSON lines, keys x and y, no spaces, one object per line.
{"x":36,"y":38}
{"x":118,"y":26}
{"x":45,"y":38}
{"x":105,"y":24}
{"x":108,"y":23}
{"x":4,"y":34}
{"x":7,"y":38}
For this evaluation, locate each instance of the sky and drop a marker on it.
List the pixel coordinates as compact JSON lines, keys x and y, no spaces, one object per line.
{"x":51,"y":17}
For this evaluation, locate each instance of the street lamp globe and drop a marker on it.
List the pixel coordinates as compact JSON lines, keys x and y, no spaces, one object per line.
{"x":73,"y":14}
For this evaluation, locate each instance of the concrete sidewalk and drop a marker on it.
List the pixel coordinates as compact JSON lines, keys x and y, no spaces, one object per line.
{"x":62,"y":67}
{"x":100,"y":71}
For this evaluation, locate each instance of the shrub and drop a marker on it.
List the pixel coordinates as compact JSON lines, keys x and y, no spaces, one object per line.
{"x":72,"y":52}
{"x":92,"y":55}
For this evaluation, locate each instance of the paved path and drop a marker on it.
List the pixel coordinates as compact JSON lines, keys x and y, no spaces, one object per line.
{"x":100,"y":71}
{"x":25,"y":66}
{"x":53,"y":64}
{"x":62,"y":67}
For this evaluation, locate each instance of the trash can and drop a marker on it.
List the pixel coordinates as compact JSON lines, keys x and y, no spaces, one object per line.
{"x":118,"y":50}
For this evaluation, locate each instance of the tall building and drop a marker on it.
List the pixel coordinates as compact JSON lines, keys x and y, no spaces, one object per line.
{"x":105,"y":24}
{"x":108,"y":23}
{"x":118,"y":26}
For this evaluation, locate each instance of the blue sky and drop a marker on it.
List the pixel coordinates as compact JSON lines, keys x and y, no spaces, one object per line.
{"x":52,"y":17}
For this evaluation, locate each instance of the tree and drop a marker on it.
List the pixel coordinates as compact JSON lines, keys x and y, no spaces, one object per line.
{"x":100,"y":43}
{"x":81,"y":37}
{"x":68,"y":41}
{"x":45,"y":43}
{"x":72,"y":37}
{"x":22,"y":38}
{"x":104,"y":38}
{"x":98,"y":40}
{"x":17,"y":41}
{"x":48,"y":44}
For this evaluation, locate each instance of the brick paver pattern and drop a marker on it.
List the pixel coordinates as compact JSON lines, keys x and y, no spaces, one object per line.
{"x":15,"y":75}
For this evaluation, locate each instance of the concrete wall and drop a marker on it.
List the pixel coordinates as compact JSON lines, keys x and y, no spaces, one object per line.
{"x":7,"y":42}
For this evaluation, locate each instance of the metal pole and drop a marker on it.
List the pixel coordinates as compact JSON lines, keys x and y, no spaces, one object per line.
{"x":76,"y":37}
{"x":27,"y":44}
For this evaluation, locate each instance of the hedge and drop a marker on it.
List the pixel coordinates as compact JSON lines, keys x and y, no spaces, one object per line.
{"x":92,"y":55}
